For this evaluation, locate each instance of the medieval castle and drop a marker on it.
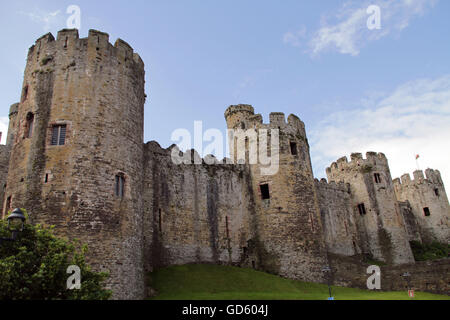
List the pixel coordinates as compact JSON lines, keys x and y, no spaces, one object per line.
{"x":75,"y":158}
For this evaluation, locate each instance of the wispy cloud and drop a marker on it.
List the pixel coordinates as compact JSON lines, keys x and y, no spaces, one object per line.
{"x":249,"y":81}
{"x":413,"y":119}
{"x":295,"y":38}
{"x":47,"y":19}
{"x":346,"y":30}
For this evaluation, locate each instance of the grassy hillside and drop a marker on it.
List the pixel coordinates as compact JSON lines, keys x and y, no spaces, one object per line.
{"x":211,"y":282}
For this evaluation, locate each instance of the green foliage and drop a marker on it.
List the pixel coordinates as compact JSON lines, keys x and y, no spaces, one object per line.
{"x":46,"y":60}
{"x":213,"y":282}
{"x":367,"y":168}
{"x":433,"y":251}
{"x":34,"y":267}
{"x":369,"y":259}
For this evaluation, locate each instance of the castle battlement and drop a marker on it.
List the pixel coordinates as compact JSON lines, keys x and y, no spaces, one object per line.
{"x":243,"y":117}
{"x":68,"y":40}
{"x":430,"y":176}
{"x":332,"y":185}
{"x":155,"y":148}
{"x":357,"y":162}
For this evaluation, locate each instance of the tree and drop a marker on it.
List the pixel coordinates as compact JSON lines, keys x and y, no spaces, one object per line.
{"x":35,"y":267}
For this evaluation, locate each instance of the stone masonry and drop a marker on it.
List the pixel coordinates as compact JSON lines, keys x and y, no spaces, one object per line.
{"x":75,"y":158}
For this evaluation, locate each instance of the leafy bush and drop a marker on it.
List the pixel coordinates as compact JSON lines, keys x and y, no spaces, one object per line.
{"x":35,"y":267}
{"x":433,"y":251}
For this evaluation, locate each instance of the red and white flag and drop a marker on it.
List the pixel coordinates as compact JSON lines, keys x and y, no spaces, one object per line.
{"x":417,"y":156}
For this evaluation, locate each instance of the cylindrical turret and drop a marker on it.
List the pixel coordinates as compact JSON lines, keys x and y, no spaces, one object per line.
{"x":380,"y":222}
{"x":288,"y":239}
{"x":76,"y":161}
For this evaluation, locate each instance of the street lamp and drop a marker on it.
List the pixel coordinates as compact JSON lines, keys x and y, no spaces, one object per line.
{"x":327,"y":271}
{"x":15,"y":224}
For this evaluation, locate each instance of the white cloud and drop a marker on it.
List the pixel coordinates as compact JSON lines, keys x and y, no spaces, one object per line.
{"x":44,"y":18}
{"x":414,"y":119}
{"x":294,"y":38}
{"x":4,"y":121}
{"x":348,"y":31}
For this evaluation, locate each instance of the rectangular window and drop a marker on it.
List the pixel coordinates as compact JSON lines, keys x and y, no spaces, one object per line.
{"x":377,"y":178}
{"x":265,"y":194}
{"x":120,"y":182}
{"x":426,"y":212}
{"x":294,"y":151}
{"x":59,"y":135}
{"x":362,"y":209}
{"x":436,"y":192}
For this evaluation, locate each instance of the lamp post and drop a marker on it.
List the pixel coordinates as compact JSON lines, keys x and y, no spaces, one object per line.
{"x":15,"y":224}
{"x":407,"y":277}
{"x":327,"y":271}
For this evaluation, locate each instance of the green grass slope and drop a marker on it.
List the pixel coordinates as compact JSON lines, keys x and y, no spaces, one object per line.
{"x":212,"y":282}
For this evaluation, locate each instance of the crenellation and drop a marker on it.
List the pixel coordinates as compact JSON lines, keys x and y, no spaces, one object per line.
{"x":418,"y":176}
{"x":66,"y":36}
{"x":277,"y":119}
{"x":406,"y":178}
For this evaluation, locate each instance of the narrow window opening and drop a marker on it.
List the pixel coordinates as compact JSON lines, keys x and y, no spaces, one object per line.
{"x":294,"y":150}
{"x":226,"y":226}
{"x":160,"y":220}
{"x":436,"y":192}
{"x":120,"y":182}
{"x":46,"y":178}
{"x":265,"y":194}
{"x":59,"y":135}
{"x":30,"y":123}
{"x":362,"y":209}
{"x":426,"y":211}
{"x":65,"y":42}
{"x":377,"y":178}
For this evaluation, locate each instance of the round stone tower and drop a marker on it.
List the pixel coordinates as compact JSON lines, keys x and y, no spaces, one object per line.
{"x":429,"y":203}
{"x":379,"y":220}
{"x":288,"y":238}
{"x":76,"y":158}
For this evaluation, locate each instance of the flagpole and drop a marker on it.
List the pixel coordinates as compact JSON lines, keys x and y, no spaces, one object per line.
{"x":417,"y":162}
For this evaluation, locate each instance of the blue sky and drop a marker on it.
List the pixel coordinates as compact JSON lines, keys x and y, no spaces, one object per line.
{"x":356,"y":89}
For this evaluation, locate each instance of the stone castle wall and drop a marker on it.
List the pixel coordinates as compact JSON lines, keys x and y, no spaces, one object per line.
{"x":194,"y":213}
{"x":425,"y":276}
{"x":338,"y":218}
